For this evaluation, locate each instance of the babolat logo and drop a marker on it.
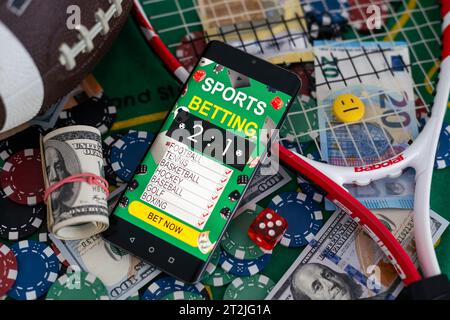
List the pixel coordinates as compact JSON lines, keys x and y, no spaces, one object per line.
{"x":376,"y":166}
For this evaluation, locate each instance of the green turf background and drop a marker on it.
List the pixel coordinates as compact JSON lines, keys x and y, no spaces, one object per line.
{"x":140,"y":86}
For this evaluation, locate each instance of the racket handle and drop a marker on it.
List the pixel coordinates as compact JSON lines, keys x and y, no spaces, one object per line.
{"x":434,"y":288}
{"x":342,"y":198}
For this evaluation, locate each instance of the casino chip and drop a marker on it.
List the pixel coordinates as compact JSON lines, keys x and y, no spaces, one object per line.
{"x":326,"y":19}
{"x":301,"y":121}
{"x":212,"y":265}
{"x":134,"y":296}
{"x":305,"y":71}
{"x":17,"y":221}
{"x":294,"y":146}
{"x":21,"y":177}
{"x":26,"y":139}
{"x":127,"y":152}
{"x":303,"y":216}
{"x":109,"y":172}
{"x":5,"y":151}
{"x":94,"y":112}
{"x":190,"y":49}
{"x":164,"y":286}
{"x":38,"y":269}
{"x":328,"y":12}
{"x":8,"y":269}
{"x":243,"y":268}
{"x":78,"y":285}
{"x":59,"y":255}
{"x":256,"y":287}
{"x":359,"y":18}
{"x":311,"y":192}
{"x":236,"y":241}
{"x":219,"y":278}
{"x":443,"y":148}
{"x":183,"y":295}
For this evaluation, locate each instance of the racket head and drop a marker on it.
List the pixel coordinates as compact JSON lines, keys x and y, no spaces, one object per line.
{"x":254,"y":27}
{"x":421,"y":32}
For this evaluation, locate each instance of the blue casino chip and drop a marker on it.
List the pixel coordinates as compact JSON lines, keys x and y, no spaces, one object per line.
{"x":164,"y":286}
{"x":293,"y":146}
{"x":243,"y":268}
{"x":443,"y":148}
{"x":313,"y":194}
{"x":110,"y":175}
{"x":38,"y":269}
{"x":327,"y":12}
{"x":127,"y":152}
{"x":303,"y":216}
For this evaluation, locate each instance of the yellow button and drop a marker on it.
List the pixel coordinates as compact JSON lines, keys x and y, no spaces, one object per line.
{"x":348,"y":108}
{"x":164,"y":223}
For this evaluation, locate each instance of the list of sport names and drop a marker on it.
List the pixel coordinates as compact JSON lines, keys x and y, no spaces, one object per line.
{"x":186,"y":184}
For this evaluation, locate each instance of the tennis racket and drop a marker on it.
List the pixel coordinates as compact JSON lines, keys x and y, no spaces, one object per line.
{"x":287,"y":33}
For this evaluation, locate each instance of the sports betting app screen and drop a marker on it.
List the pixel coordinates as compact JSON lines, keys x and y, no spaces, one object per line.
{"x":197,"y":169}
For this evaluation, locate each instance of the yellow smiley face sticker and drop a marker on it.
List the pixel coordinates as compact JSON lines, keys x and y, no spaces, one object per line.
{"x":348,"y":108}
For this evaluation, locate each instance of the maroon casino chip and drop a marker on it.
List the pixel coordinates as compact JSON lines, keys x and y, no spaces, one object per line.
{"x":8,"y":269}
{"x":22,"y":179}
{"x":359,"y":13}
{"x":190,"y":49}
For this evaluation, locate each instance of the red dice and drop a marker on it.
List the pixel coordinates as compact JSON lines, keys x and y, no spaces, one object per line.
{"x":276,"y":103}
{"x":267,"y":229}
{"x":199,"y":75}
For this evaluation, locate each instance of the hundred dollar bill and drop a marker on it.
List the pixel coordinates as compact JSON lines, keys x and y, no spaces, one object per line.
{"x":121,"y":273}
{"x":261,"y":186}
{"x":271,"y":29}
{"x":343,"y":262}
{"x":75,"y":210}
{"x":380,"y":75}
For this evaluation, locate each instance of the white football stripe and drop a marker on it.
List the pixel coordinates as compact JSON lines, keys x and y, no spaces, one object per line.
{"x":21,"y":86}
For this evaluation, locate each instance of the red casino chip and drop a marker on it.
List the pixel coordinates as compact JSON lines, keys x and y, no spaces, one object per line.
{"x":8,"y":269}
{"x":21,"y":178}
{"x":358,"y":14}
{"x":421,"y":109}
{"x":305,"y":71}
{"x":199,"y":75}
{"x":59,"y":255}
{"x":190,"y":49}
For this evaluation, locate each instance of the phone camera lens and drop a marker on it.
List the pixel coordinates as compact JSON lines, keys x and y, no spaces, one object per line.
{"x":253,"y":61}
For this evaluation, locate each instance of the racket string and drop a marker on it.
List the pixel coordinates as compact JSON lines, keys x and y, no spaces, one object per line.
{"x":190,"y":17}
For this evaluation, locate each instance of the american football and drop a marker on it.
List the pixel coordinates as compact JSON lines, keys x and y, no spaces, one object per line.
{"x":48,"y":48}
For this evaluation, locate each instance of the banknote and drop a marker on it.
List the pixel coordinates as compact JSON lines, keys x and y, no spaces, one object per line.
{"x":76,"y":210}
{"x":121,"y":273}
{"x":271,"y":29}
{"x":386,"y":193}
{"x":261,"y":186}
{"x":380,"y":75}
{"x":343,"y":262}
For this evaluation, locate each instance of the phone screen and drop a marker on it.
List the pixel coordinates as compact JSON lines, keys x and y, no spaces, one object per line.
{"x":201,"y":161}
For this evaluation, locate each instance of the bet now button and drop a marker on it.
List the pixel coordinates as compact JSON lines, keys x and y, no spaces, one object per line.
{"x":164,"y":223}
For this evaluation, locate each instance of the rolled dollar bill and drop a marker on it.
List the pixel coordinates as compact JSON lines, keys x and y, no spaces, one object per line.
{"x":75,"y":210}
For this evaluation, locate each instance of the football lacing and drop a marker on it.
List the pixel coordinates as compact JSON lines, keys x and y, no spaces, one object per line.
{"x":69,"y":54}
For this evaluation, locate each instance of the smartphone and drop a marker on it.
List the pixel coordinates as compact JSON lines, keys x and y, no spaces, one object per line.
{"x":190,"y":182}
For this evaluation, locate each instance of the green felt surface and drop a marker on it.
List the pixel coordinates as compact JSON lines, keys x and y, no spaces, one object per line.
{"x":144,"y":91}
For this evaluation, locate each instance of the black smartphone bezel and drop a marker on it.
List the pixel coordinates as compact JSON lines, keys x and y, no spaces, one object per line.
{"x":186,"y":267}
